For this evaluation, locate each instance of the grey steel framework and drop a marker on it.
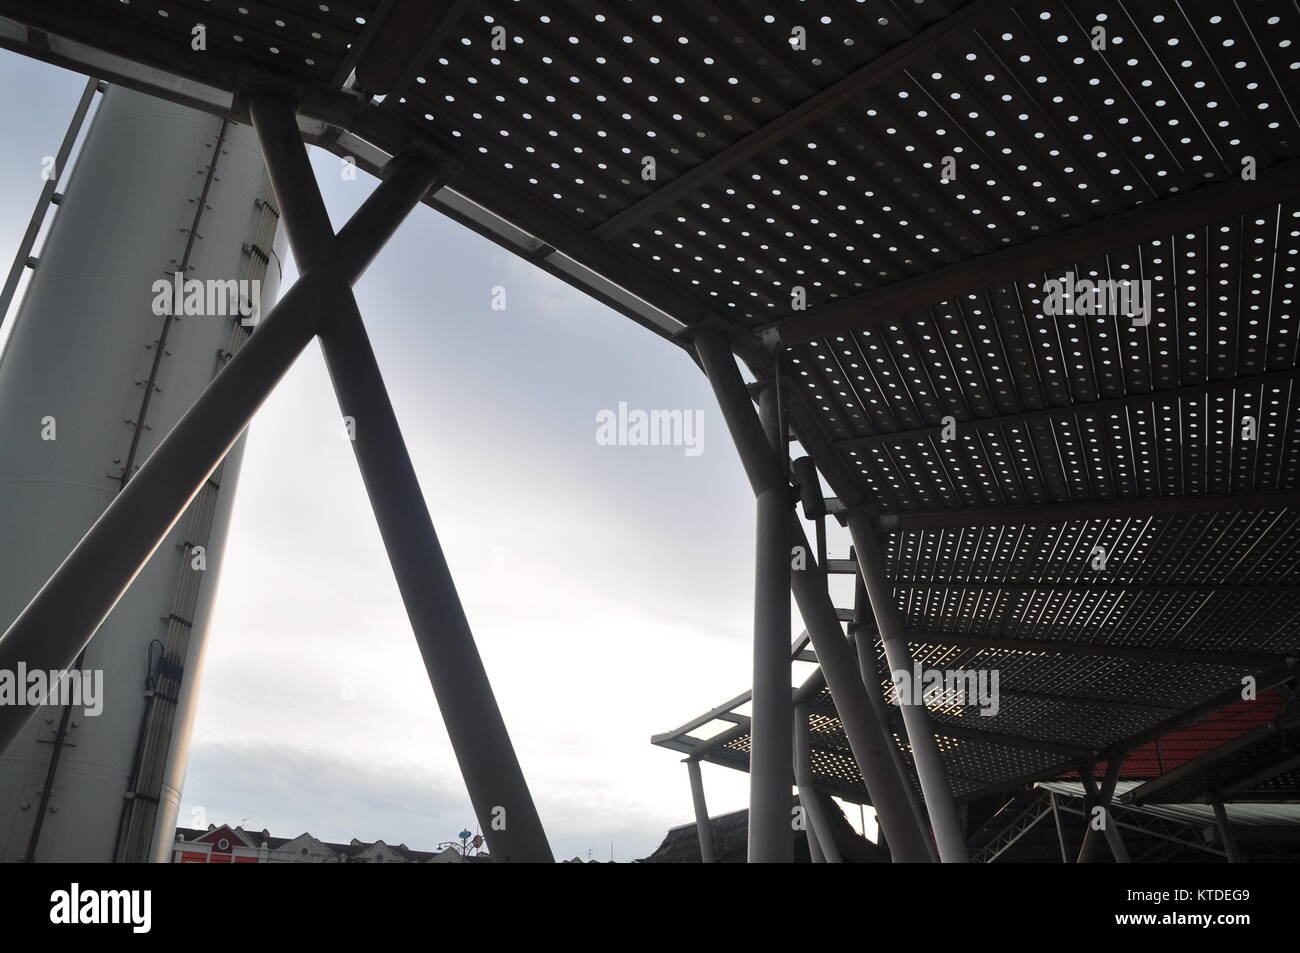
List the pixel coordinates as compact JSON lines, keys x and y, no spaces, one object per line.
{"x":980,"y":451}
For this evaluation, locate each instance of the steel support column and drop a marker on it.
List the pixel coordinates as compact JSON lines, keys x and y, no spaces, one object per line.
{"x":866,"y":735}
{"x":930,"y":769}
{"x":864,"y":643}
{"x":815,"y":854}
{"x":495,"y":782}
{"x":816,"y":823}
{"x":702,"y":826}
{"x":1060,"y":832}
{"x":1111,"y":828}
{"x":1225,"y":832}
{"x":771,"y":837}
{"x":864,"y":728}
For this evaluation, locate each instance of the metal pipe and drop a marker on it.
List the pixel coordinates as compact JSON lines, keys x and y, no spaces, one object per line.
{"x":1060,"y":832}
{"x":495,"y":782}
{"x":1225,"y":832}
{"x":760,"y":455}
{"x":408,"y":177}
{"x":311,"y":236}
{"x":815,"y":853}
{"x":1111,"y":827}
{"x":863,"y":637}
{"x":771,"y":837}
{"x":502,"y":802}
{"x":930,"y":768}
{"x":752,"y":443}
{"x":702,"y":826}
{"x":863,"y":727}
{"x":816,"y":823}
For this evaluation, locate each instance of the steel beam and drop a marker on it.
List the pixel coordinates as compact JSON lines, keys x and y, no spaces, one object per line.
{"x":407,"y":182}
{"x":1159,"y":219}
{"x":1285,"y":766}
{"x":761,"y":465}
{"x":407,"y":46}
{"x":1088,"y":700}
{"x":1060,"y":832}
{"x":929,"y":764}
{"x":816,"y":823}
{"x":930,"y":769}
{"x":1224,"y":827}
{"x":1280,"y":672}
{"x":865,"y":734}
{"x":61,"y":618}
{"x":208,"y":87}
{"x":1096,"y":650}
{"x":1103,"y":799}
{"x":1013,"y":741}
{"x":880,"y":70}
{"x":1030,"y":513}
{"x":771,"y":838}
{"x":862,"y":633}
{"x":1022,"y":588}
{"x":723,"y":709}
{"x":376,"y":42}
{"x":1146,"y":825}
{"x":307,"y":224}
{"x":865,"y":731}
{"x":702,"y":825}
{"x":478,"y":733}
{"x":1018,"y":828}
{"x":495,"y":782}
{"x":1199,"y":766}
{"x":1072,"y":411}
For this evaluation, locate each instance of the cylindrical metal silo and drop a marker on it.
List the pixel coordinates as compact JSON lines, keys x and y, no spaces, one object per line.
{"x":158,"y":189}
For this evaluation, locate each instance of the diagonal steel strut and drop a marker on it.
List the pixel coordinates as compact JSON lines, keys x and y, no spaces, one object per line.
{"x":63,"y":616}
{"x":502,"y":802}
{"x":65,"y":613}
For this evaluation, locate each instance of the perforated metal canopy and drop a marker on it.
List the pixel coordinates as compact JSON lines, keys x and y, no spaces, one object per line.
{"x":888,"y":188}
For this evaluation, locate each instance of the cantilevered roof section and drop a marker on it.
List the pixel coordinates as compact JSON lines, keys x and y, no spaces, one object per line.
{"x":894,"y":193}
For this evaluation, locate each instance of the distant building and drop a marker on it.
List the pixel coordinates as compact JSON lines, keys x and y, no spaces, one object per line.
{"x":731,"y":839}
{"x":234,"y":845}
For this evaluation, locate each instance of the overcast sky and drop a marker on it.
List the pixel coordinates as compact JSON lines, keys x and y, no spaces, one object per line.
{"x":608,"y":587}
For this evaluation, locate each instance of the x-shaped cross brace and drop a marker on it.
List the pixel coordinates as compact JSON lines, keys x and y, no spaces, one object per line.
{"x":59,"y":622}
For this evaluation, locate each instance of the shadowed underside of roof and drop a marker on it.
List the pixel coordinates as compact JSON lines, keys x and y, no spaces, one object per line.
{"x":915,"y":173}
